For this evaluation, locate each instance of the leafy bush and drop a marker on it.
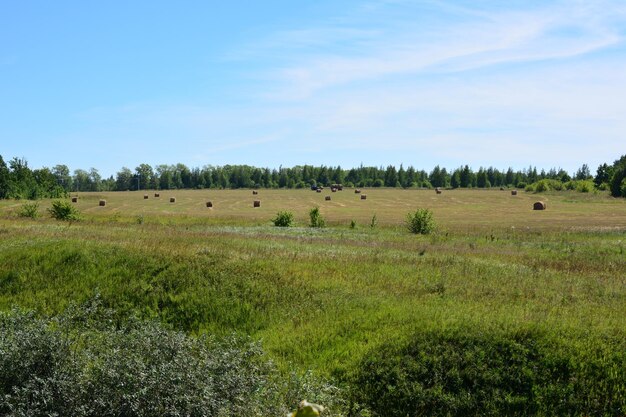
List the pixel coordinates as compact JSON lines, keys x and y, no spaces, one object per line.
{"x":30,"y":210}
{"x":64,"y":210}
{"x":584,"y":186}
{"x":316,"y":218}
{"x":283,"y":219}
{"x":88,"y":363}
{"x":420,"y":222}
{"x":472,"y":372}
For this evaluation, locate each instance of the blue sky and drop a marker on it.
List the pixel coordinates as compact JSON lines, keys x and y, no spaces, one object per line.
{"x":270,"y":83}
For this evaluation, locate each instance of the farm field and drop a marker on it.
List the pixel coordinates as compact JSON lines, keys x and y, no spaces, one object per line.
{"x":342,"y":301}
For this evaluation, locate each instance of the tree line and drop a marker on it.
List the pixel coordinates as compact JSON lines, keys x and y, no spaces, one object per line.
{"x":18,"y":181}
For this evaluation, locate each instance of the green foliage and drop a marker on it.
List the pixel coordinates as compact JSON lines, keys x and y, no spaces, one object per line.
{"x":64,"y":210}
{"x":617,"y":178}
{"x":352,"y":224}
{"x":316,"y":219}
{"x":86,"y":363}
{"x":471,"y":371}
{"x":283,"y":219}
{"x":374,"y":221}
{"x":30,"y":210}
{"x":420,"y":222}
{"x":584,"y":186}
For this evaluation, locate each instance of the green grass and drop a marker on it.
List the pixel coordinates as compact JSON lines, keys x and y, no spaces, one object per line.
{"x":325,"y":299}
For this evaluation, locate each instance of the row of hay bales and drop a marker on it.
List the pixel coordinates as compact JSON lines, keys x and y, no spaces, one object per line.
{"x":539,"y":205}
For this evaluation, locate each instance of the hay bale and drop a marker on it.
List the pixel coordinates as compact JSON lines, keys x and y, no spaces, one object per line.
{"x":209,"y":204}
{"x":172,"y":199}
{"x":74,"y":199}
{"x":539,"y":205}
{"x":438,"y":190}
{"x":327,"y":198}
{"x":157,"y":195}
{"x":319,"y":190}
{"x":513,"y":192}
{"x":255,"y":192}
{"x":257,"y":203}
{"x":145,"y":196}
{"x":102,"y":203}
{"x":363,"y":197}
{"x":334,"y":190}
{"x":357,"y":191}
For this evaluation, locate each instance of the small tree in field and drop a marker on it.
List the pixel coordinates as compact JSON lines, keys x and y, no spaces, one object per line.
{"x":64,"y":210}
{"x":316,"y":218}
{"x":420,"y":222}
{"x":283,"y":219}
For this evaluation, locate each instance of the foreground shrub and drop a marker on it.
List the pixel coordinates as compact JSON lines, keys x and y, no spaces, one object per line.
{"x":64,"y":210}
{"x":470,"y":372}
{"x":88,"y":363}
{"x":30,"y":210}
{"x":316,"y":218}
{"x":283,"y":219}
{"x":420,"y":222}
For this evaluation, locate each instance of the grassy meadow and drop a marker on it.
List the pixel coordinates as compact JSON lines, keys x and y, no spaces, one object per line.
{"x":331,"y":299}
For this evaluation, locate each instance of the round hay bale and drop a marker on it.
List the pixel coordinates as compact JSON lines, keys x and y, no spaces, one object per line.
{"x":357,"y":191}
{"x":334,"y":190}
{"x":363,"y":197}
{"x":145,"y":196}
{"x":172,"y":199}
{"x":257,"y":203}
{"x":102,"y":203}
{"x":327,"y":198}
{"x":74,"y":199}
{"x":438,"y":190}
{"x":157,"y":195}
{"x":255,"y":192}
{"x":513,"y":192}
{"x":539,"y":205}
{"x":319,"y":190}
{"x":209,"y":204}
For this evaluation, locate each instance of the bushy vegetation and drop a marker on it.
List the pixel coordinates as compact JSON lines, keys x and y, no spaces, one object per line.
{"x":420,"y":222}
{"x":471,"y":371}
{"x":315,"y":217}
{"x":582,"y":186}
{"x":283,"y":219}
{"x":86,"y":362}
{"x":64,"y":210}
{"x":18,"y":181}
{"x":30,"y":210}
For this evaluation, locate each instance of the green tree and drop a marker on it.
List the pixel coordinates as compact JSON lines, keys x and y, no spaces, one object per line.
{"x":123,"y":180}
{"x":4,"y":179}
{"x":63,"y":177}
{"x":617,"y":179}
{"x":144,"y":177}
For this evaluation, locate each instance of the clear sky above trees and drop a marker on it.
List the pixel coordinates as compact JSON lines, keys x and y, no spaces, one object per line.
{"x":423,"y":83}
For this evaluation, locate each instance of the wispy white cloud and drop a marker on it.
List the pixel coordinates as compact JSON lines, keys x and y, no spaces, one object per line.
{"x":554,"y":32}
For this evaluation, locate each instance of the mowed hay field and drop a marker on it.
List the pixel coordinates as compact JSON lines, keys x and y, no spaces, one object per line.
{"x":332,"y":299}
{"x":458,"y":210}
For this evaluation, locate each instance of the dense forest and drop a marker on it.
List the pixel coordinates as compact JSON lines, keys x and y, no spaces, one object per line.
{"x":18,"y":181}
